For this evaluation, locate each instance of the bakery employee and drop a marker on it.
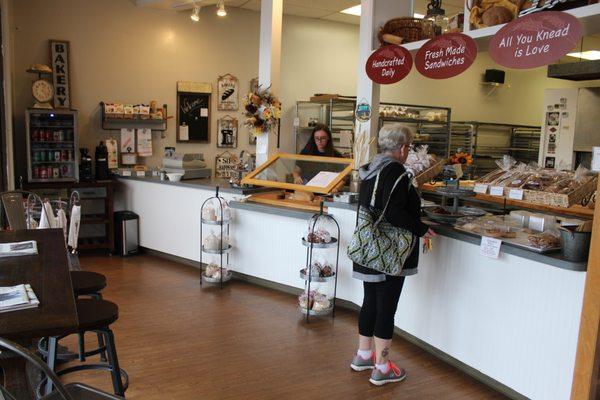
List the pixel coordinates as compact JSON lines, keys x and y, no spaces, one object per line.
{"x":320,"y":144}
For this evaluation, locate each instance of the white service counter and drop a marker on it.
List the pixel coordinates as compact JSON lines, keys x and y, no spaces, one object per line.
{"x":514,"y":320}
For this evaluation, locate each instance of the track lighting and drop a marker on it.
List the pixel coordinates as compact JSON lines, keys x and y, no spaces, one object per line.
{"x":196,"y":14}
{"x":221,"y":12}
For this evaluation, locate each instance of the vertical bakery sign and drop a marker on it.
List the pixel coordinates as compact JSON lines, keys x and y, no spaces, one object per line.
{"x":228,"y":131}
{"x":228,"y":93}
{"x":59,"y":51}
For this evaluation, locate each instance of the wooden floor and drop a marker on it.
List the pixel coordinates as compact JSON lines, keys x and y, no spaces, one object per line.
{"x":178,"y":341}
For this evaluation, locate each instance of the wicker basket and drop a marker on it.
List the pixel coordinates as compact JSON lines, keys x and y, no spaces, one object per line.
{"x":430,"y":173}
{"x":409,"y":29}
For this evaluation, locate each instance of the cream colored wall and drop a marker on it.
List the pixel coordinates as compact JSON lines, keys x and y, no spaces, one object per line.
{"x":124,"y":53}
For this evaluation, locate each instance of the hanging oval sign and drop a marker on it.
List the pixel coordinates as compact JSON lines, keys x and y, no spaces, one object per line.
{"x":446,"y":56}
{"x":389,"y":64}
{"x":535,"y":40}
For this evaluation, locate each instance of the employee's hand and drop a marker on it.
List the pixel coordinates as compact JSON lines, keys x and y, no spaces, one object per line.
{"x":429,"y":234}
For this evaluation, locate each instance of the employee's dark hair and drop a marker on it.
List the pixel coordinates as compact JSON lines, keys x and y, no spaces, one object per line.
{"x":311,"y":145}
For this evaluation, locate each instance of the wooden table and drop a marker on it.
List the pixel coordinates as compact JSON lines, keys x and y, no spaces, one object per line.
{"x":48,"y":274}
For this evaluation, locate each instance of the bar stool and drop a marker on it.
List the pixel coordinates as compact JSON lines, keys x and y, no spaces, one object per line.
{"x":94,"y":316}
{"x":71,"y":391}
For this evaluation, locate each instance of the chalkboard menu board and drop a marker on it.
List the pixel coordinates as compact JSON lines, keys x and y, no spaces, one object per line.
{"x":193,"y":117}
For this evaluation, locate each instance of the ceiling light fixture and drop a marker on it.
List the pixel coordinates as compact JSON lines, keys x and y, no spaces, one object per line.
{"x":196,"y":13}
{"x":356,"y":11}
{"x":352,"y":11}
{"x":221,"y":12}
{"x":586,"y":55}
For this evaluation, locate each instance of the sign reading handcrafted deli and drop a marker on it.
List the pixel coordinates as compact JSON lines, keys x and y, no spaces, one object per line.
{"x":535,"y":40}
{"x":446,"y":56}
{"x":389,"y":64}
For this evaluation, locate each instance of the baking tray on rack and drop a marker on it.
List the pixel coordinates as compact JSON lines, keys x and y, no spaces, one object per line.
{"x":327,"y":311}
{"x":316,"y":278}
{"x":211,"y":222}
{"x":226,"y":278}
{"x":331,"y":244}
{"x":224,"y":251}
{"x":520,"y":241}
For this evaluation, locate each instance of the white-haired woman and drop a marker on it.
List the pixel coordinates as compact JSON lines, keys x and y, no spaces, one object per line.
{"x":382,"y":292}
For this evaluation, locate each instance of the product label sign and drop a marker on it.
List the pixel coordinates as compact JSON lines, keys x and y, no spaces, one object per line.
{"x":446,"y":56}
{"x":497,"y":191}
{"x":389,"y":64}
{"x":515,"y":194}
{"x":480,"y":188}
{"x":535,"y":40}
{"x":490,"y":247}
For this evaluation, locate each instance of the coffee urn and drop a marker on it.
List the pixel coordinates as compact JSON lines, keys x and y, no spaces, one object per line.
{"x":85,"y":167}
{"x":101,"y":162}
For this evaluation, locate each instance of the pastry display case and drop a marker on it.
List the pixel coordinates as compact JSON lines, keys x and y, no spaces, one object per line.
{"x":299,"y":181}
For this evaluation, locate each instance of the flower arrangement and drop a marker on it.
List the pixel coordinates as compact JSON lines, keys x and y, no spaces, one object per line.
{"x":263,"y":111}
{"x":461,"y":158}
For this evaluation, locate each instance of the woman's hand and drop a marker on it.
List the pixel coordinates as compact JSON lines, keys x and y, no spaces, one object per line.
{"x":429,"y":234}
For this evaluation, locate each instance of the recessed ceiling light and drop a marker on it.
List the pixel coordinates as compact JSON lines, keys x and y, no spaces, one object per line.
{"x":586,"y":55}
{"x":352,"y":10}
{"x":356,"y":11}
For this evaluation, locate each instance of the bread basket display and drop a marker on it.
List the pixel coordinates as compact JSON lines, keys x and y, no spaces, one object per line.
{"x":405,"y":30}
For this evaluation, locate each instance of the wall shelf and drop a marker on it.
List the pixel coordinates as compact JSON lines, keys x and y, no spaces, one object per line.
{"x":589,"y":16}
{"x":133,"y":123}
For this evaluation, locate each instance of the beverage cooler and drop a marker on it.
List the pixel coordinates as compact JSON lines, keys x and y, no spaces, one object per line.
{"x":51,"y":145}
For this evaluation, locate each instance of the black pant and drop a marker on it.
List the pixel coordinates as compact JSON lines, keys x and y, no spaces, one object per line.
{"x":379,"y":306}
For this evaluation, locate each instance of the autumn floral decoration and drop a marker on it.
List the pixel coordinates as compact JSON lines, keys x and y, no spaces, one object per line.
{"x":461,"y":158}
{"x":263,"y":111}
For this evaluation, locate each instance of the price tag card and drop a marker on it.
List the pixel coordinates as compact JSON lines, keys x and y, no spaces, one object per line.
{"x":480,"y":188}
{"x":140,"y":173}
{"x":126,"y":173}
{"x":596,"y":159}
{"x":515,"y":194}
{"x":497,"y":191}
{"x":490,"y":247}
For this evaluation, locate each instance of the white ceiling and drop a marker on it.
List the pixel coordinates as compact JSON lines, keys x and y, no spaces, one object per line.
{"x":320,"y":9}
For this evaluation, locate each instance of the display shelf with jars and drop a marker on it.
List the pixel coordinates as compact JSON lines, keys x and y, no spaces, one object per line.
{"x":51,"y":145}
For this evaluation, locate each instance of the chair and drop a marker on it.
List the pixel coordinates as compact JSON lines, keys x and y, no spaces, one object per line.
{"x":18,"y":216}
{"x":94,"y":316}
{"x":71,"y":391}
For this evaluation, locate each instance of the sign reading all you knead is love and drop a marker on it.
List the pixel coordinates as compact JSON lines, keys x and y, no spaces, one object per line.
{"x":535,"y":40}
{"x":389,"y":64}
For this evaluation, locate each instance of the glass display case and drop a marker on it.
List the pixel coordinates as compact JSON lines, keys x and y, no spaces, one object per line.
{"x":51,"y":145}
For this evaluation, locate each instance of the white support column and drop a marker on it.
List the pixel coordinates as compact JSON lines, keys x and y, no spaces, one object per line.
{"x":269,"y":64}
{"x":374,"y":13}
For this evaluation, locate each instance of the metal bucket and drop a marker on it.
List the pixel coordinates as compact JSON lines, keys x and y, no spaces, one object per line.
{"x":575,"y":245}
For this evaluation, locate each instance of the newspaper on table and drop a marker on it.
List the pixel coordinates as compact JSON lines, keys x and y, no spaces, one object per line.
{"x":19,"y":297}
{"x":14,"y":249}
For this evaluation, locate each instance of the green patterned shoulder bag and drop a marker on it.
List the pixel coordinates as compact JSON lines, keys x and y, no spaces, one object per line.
{"x":377,"y":244}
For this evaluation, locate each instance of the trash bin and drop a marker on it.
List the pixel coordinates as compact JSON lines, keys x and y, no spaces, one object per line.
{"x":126,"y":233}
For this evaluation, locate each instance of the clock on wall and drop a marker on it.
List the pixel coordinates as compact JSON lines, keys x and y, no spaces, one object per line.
{"x":42,"y":90}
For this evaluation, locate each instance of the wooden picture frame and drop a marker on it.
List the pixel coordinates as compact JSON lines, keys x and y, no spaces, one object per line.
{"x":59,"y":57}
{"x":193,"y":112}
{"x":251,"y":178}
{"x":228,"y":96}
{"x":225,"y":164}
{"x":227,"y":132}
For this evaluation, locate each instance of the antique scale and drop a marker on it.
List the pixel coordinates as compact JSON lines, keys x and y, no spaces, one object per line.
{"x":41,"y":89}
